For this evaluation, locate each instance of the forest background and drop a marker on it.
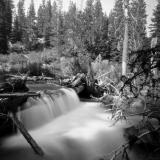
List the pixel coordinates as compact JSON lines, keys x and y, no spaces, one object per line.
{"x":52,"y":41}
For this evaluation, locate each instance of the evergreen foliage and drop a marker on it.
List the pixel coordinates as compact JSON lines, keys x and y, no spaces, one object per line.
{"x":89,"y":29}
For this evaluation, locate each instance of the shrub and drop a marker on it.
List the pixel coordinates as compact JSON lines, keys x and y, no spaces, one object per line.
{"x":110,"y":70}
{"x":13,"y":58}
{"x":83,"y":59}
{"x":3,"y":58}
{"x":48,"y":70}
{"x":65,"y":66}
{"x":49,"y":56}
{"x":17,"y":47}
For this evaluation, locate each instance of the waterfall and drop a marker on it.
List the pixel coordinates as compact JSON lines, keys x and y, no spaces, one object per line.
{"x":39,"y":111}
{"x":67,"y":129}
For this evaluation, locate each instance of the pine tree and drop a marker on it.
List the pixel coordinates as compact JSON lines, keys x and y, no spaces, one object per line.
{"x":16,"y":30}
{"x":100,"y":45}
{"x":88,"y":36}
{"x":3,"y":37}
{"x":60,"y":32}
{"x":104,"y":44}
{"x":98,"y":17}
{"x":60,"y":28}
{"x":31,"y":16}
{"x":48,"y":28}
{"x":71,"y":17}
{"x":71,"y":23}
{"x":54,"y":17}
{"x":105,"y":27}
{"x":20,"y":22}
{"x":88,"y":23}
{"x":31,"y":26}
{"x":137,"y":24}
{"x":116,"y":30}
{"x":155,"y":27}
{"x":53,"y":24}
{"x":41,"y":20}
{"x":5,"y":24}
{"x":98,"y":13}
{"x":8,"y":17}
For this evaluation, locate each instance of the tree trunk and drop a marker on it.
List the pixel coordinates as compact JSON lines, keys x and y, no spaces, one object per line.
{"x":125,"y":41}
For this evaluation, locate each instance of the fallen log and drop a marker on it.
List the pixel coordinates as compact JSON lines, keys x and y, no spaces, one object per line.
{"x":78,"y":80}
{"x":89,"y":100}
{"x":12,"y":101}
{"x":31,"y":78}
{"x":27,"y":136}
{"x":15,"y":95}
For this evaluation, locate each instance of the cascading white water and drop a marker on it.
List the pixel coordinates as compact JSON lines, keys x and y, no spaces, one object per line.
{"x":50,"y":105}
{"x":84,"y":133}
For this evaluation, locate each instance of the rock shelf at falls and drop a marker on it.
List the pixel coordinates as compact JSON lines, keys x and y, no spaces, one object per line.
{"x":79,"y":131}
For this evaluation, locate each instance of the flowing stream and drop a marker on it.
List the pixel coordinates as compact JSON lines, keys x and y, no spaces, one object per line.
{"x":66,"y":129}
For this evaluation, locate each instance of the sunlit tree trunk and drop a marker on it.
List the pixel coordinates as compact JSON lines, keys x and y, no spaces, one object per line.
{"x":125,"y":41}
